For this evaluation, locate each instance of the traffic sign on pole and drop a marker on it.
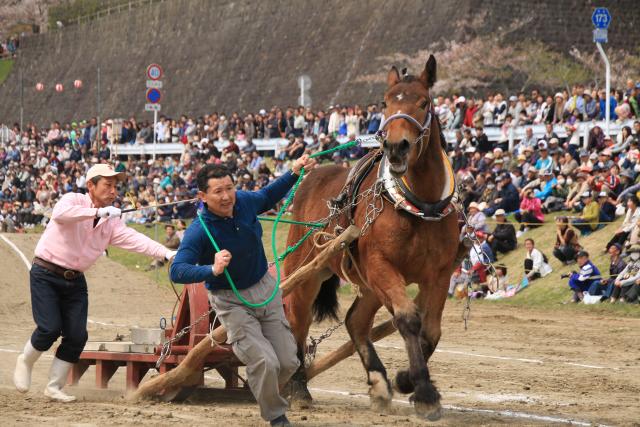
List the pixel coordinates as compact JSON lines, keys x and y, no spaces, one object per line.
{"x":601,"y":18}
{"x":600,"y":35}
{"x":155,"y":84}
{"x":152,"y":107}
{"x":154,"y":96}
{"x":154,"y":72}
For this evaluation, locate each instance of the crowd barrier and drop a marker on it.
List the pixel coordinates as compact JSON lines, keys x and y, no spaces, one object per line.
{"x":514,"y":134}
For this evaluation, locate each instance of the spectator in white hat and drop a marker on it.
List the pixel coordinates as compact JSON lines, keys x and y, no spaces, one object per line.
{"x":503,"y":238}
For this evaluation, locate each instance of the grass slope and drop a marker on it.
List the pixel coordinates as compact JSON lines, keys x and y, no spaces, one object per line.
{"x":139,"y":262}
{"x":547,"y":292}
{"x":5,"y":68}
{"x":552,"y":291}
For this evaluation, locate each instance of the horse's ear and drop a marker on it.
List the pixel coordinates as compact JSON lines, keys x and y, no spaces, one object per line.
{"x":428,"y":76}
{"x":393,"y":77}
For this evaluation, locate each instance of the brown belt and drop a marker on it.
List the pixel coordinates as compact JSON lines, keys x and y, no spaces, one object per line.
{"x":60,"y":271}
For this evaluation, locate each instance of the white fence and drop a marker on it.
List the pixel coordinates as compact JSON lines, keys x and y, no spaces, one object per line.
{"x":493,"y":133}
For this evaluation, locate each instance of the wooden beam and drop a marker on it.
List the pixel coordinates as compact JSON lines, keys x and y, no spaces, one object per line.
{"x":189,"y":372}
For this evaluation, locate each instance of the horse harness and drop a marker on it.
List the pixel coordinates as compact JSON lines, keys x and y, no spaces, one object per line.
{"x":396,"y":191}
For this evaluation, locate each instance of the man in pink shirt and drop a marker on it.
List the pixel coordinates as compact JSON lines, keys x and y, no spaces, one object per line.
{"x":82,"y":226}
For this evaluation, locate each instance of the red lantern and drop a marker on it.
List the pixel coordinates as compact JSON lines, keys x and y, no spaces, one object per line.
{"x":77,"y":84}
{"x":59,"y":87}
{"x":40,"y":87}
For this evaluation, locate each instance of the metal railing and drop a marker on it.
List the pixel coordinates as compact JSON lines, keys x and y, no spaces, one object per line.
{"x":494,"y":134}
{"x":119,"y":8}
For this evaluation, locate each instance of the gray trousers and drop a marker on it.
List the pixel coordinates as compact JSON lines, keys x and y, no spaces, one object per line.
{"x":262,"y":340}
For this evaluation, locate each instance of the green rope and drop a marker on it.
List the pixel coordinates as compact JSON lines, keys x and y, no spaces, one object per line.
{"x":331,"y":150}
{"x":278,"y":219}
{"x":290,"y":221}
{"x":297,"y":245}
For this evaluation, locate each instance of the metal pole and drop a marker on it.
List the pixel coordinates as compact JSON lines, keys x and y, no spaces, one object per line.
{"x":155,"y":121}
{"x":99,"y":106}
{"x":21,"y":100}
{"x":511,"y":139}
{"x":607,"y":88}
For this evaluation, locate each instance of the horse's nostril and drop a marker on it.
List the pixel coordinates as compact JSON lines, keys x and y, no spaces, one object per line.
{"x":404,"y":145}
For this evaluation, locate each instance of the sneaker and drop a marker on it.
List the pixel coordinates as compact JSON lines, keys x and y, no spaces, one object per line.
{"x":519,"y":234}
{"x":281,"y":421}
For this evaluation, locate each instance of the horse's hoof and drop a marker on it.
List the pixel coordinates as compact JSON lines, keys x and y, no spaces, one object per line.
{"x":431,"y":412}
{"x":299,"y":404}
{"x":380,"y":405}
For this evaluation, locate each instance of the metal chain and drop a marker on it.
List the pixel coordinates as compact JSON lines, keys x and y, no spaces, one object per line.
{"x":482,"y":256}
{"x":166,"y":347}
{"x":374,"y":208}
{"x":312,"y":348}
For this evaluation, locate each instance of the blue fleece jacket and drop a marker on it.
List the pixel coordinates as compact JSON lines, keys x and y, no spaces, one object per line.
{"x":241,"y":235}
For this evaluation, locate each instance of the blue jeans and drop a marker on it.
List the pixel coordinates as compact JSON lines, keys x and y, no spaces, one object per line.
{"x":59,"y":309}
{"x":601,"y":288}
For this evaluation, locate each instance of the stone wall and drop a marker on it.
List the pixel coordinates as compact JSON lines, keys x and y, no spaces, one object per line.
{"x":246,"y":54}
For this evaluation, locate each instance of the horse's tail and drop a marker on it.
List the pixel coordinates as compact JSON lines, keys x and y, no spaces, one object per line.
{"x":326,"y":304}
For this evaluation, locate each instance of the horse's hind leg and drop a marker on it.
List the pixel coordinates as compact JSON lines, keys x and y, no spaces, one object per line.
{"x":359,"y":321}
{"x":300,"y":316}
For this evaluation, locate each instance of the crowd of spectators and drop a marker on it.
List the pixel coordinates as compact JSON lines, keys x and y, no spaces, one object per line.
{"x":541,"y":175}
{"x":9,"y":47}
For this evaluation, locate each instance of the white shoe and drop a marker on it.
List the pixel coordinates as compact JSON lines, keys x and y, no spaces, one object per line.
{"x":519,"y":234}
{"x":57,"y":379}
{"x":24,"y":365}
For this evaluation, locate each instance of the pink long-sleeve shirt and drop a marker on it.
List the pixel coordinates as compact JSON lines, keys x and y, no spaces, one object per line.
{"x":71,"y":241}
{"x":534,"y":206}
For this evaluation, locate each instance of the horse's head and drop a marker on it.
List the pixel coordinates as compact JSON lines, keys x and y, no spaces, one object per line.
{"x":408,"y":115}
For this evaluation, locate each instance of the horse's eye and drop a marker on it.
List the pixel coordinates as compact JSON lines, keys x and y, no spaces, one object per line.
{"x":383,"y":104}
{"x":424,"y":104}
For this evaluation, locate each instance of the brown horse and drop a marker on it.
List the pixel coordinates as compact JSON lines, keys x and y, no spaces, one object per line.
{"x":397,"y":249}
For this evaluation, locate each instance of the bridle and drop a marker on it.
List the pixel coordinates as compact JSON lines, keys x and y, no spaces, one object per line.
{"x":424,"y":128}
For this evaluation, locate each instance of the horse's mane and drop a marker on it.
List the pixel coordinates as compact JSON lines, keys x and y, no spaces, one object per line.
{"x":408,"y":78}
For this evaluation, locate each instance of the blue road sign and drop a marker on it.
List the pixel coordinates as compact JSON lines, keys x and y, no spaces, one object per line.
{"x":154,"y":96}
{"x":601,"y":18}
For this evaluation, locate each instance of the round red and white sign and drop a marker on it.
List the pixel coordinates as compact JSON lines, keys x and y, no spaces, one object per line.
{"x":154,"y":72}
{"x":59,"y":87}
{"x":40,"y":87}
{"x":77,"y":84}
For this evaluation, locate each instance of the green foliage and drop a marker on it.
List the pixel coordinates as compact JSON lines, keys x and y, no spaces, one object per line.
{"x":544,"y":67}
{"x":5,"y":68}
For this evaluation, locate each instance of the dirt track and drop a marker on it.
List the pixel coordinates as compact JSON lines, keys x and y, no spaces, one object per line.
{"x":556,"y":364}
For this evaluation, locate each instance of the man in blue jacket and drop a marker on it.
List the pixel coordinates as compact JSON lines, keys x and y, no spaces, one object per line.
{"x":261,"y":337}
{"x":581,"y":281}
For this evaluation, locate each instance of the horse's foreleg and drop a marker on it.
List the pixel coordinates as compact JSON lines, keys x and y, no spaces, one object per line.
{"x":359,"y":321}
{"x":390,"y":287}
{"x":431,"y":301}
